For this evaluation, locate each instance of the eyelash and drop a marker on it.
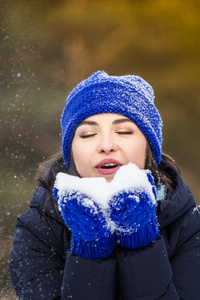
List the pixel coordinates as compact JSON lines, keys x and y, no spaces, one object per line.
{"x":125,"y":132}
{"x":119,"y":132}
{"x":87,"y":135}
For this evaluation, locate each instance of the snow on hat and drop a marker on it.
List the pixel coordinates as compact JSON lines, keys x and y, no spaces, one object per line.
{"x":128,"y":95}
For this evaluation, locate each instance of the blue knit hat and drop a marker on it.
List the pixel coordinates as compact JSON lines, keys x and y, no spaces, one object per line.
{"x":127,"y":95}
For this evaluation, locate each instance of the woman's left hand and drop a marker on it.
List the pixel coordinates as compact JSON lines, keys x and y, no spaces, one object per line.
{"x":133,"y":211}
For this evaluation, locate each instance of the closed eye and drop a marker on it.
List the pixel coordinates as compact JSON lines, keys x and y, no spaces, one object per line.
{"x":124,"y":132}
{"x":85,"y":136}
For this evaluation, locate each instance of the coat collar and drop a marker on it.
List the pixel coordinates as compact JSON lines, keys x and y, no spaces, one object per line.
{"x":177,"y":203}
{"x":45,"y":202}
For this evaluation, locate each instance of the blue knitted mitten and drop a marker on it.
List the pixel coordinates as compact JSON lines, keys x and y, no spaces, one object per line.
{"x":91,"y":235}
{"x":133,"y":212}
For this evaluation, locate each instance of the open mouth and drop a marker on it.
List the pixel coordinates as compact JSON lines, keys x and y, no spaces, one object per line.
{"x":109,"y":166}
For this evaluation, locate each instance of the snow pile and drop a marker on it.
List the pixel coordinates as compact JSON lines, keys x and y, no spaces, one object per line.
{"x":126,"y":178}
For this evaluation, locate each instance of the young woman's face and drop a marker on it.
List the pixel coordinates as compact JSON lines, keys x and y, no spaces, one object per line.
{"x":105,"y":142}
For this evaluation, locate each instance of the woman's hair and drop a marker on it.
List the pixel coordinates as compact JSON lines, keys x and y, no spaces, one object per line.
{"x":48,"y":170}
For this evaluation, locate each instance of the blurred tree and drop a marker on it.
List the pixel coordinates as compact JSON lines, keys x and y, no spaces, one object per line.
{"x":49,"y":46}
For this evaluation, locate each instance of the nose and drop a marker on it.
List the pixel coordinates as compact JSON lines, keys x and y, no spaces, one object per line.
{"x":107,"y":144}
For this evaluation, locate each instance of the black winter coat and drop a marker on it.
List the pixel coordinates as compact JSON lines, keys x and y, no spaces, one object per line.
{"x":42,"y":266}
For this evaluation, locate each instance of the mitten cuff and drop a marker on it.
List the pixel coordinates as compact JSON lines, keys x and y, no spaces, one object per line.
{"x":142,"y":237}
{"x":101,"y":248}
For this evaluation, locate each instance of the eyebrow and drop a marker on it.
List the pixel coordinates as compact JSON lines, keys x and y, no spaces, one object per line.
{"x":119,"y":121}
{"x":93,"y":123}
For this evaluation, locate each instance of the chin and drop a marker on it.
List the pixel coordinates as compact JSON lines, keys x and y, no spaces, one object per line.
{"x":109,"y":178}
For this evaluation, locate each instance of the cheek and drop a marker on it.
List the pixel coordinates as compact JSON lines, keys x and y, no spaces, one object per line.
{"x":81,"y":156}
{"x":137,"y":153}
{"x":76,"y":152}
{"x":142,"y":152}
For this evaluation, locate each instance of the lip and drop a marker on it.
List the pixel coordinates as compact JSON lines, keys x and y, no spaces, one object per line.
{"x":107,"y":171}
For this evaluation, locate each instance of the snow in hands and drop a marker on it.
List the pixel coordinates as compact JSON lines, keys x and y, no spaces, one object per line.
{"x":128,"y":177}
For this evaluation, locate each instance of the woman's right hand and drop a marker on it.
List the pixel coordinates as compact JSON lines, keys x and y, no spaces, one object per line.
{"x":91,"y":236}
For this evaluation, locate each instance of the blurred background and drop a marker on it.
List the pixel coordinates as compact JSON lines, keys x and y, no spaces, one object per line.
{"x":47,"y":47}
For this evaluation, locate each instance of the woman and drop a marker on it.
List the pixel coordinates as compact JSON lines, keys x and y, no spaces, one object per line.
{"x":125,"y":225}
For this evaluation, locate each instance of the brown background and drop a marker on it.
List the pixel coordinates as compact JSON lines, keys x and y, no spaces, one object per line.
{"x":49,"y":46}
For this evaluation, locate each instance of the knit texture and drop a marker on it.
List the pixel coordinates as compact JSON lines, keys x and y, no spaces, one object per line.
{"x":133,"y":212}
{"x":91,"y":236}
{"x":100,"y":213}
{"x":129,"y":95}
{"x":96,"y":249}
